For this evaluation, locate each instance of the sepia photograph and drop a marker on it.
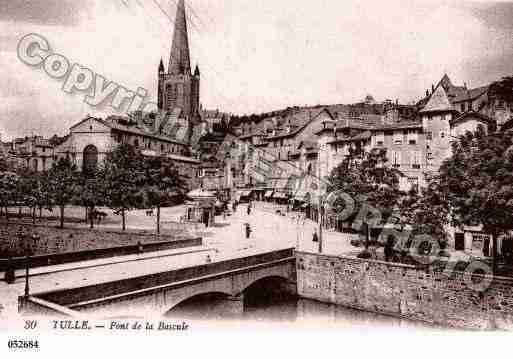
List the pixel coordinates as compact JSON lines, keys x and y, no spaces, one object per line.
{"x":169,"y":168}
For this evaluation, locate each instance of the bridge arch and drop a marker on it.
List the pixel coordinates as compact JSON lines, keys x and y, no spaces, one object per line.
{"x":267,"y":289}
{"x":207,"y":305}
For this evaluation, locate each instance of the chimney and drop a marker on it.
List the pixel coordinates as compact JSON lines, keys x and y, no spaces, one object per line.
{"x":432,"y":88}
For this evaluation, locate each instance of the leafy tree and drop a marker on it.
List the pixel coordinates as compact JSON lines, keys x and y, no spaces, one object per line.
{"x":427,"y":211}
{"x":124,"y":179}
{"x":368,"y":179}
{"x":8,"y":185}
{"x":477,"y":181}
{"x":4,"y":166}
{"x":502,"y":89}
{"x":91,"y":191}
{"x":34,"y":191}
{"x":162,"y":182}
{"x":62,"y":185}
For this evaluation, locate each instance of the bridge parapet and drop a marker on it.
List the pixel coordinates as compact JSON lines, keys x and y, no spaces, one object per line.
{"x":230,"y":277}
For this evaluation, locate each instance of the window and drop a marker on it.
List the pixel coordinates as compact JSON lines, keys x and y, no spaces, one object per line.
{"x":395,"y":159}
{"x":398,"y":137}
{"x":412,"y":137}
{"x":429,"y":136}
{"x":442,"y":134}
{"x":462,"y":106}
{"x":415,"y":159}
{"x":380,"y":138}
{"x":136,"y":143}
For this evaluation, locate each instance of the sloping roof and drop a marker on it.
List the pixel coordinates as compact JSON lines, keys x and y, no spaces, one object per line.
{"x":362,"y":136}
{"x":472,"y":115}
{"x":399,"y":125}
{"x":472,"y":94}
{"x":301,"y":119}
{"x":307,"y":144}
{"x":438,"y":101}
{"x":112,"y":123}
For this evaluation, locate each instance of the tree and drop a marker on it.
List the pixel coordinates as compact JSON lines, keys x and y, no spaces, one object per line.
{"x":477,"y":181}
{"x":4,"y":166}
{"x":426,"y":211}
{"x":124,"y":179}
{"x":8,"y":185}
{"x":502,"y":89}
{"x":91,"y":192}
{"x":162,"y":182}
{"x":368,"y":179}
{"x":62,"y":185}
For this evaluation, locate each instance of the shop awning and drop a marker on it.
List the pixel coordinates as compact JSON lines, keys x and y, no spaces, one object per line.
{"x":268,"y":194}
{"x":245,"y":193}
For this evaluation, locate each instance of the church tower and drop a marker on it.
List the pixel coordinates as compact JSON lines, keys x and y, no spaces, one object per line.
{"x":179,"y":88}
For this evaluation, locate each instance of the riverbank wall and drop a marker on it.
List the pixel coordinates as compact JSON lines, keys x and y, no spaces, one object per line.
{"x":405,"y":291}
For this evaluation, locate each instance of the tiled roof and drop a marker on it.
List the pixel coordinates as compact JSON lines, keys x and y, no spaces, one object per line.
{"x":438,"y":101}
{"x":361,"y":136}
{"x":474,"y":115}
{"x":399,"y":125}
{"x":300,"y":119}
{"x":467,"y":95}
{"x":112,"y":122}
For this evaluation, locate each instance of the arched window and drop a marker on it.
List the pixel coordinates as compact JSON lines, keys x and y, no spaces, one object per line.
{"x":90,"y":159}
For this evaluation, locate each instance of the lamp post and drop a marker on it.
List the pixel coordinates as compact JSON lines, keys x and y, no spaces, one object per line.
{"x":29,"y":246}
{"x":320,"y":223}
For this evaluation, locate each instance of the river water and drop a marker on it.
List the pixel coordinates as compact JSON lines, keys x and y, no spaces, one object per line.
{"x":290,"y":310}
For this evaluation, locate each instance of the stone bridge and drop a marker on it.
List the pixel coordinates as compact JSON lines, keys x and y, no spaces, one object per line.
{"x":231,"y":281}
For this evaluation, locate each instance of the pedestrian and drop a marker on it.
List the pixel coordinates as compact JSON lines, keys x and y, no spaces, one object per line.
{"x":389,"y":248}
{"x":249,"y":209}
{"x":315,"y":237}
{"x":248,"y":230}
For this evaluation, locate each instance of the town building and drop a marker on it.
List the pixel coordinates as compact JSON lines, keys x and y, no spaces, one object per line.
{"x":90,"y":140}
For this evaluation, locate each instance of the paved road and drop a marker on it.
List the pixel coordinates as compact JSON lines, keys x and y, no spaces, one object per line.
{"x":223,"y":241}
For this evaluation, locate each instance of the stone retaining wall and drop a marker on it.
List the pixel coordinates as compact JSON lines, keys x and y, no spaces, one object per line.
{"x":405,"y":291}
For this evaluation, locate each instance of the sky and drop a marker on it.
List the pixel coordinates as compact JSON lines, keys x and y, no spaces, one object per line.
{"x":254,"y":55}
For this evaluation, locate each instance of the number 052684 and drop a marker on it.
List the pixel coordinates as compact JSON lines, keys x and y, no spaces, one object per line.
{"x":23,"y":344}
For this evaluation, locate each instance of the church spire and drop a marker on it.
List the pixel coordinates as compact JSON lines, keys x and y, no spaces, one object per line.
{"x":179,"y":61}
{"x":161,"y":67}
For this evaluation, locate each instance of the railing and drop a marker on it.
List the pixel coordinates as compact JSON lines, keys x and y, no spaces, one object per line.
{"x":85,"y":255}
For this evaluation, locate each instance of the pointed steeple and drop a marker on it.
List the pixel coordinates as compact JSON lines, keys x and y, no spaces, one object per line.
{"x":179,"y":61}
{"x":161,"y":67}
